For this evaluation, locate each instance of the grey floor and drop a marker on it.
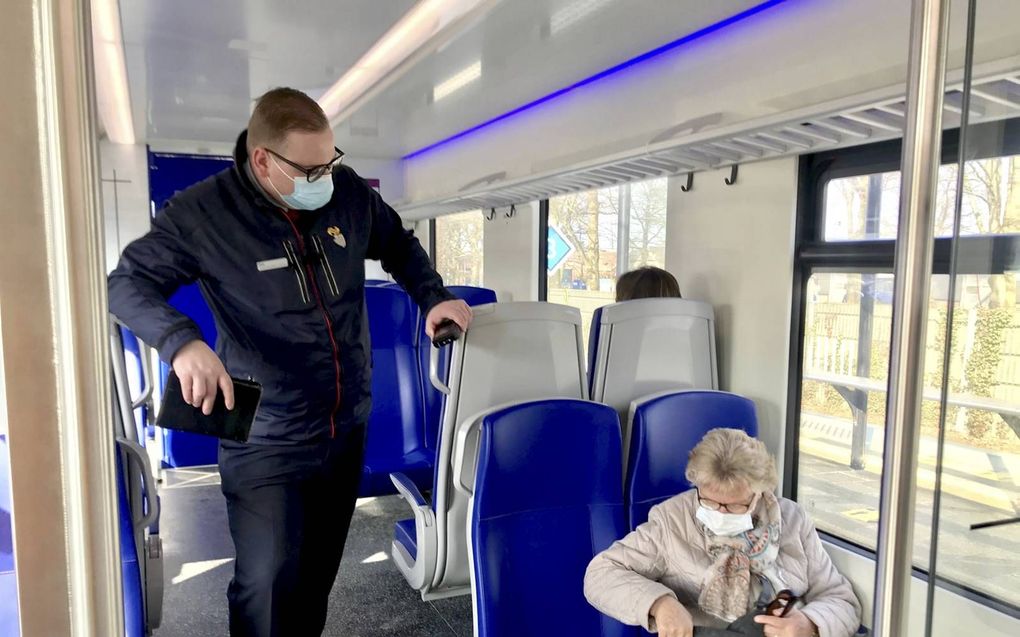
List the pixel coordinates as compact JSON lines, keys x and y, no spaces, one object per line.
{"x":370,"y":597}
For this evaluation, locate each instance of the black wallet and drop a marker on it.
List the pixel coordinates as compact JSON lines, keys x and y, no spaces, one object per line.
{"x":234,"y":424}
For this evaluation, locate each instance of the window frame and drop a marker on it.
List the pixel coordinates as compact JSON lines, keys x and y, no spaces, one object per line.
{"x":434,"y":241}
{"x":812,"y":254}
{"x":622,"y":232}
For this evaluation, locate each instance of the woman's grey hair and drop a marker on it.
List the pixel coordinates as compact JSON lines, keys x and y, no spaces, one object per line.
{"x":728,"y":459}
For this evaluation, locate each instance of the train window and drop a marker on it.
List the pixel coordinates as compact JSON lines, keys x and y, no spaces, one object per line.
{"x":865,"y":207}
{"x":459,"y":241}
{"x":838,"y":397}
{"x":586,"y":253}
{"x":842,"y":413}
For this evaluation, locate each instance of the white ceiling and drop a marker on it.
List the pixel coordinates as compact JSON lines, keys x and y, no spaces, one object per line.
{"x":194,"y":66}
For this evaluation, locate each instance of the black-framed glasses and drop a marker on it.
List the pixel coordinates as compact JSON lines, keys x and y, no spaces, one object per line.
{"x":729,"y":508}
{"x":314,"y":173}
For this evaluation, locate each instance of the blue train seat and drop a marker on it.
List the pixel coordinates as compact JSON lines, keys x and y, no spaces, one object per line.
{"x":664,"y":429}
{"x":395,"y":427}
{"x":370,"y":283}
{"x":138,"y":503}
{"x":131,"y":571}
{"x":536,"y":524}
{"x":433,"y":397}
{"x":512,"y":352}
{"x":8,"y":581}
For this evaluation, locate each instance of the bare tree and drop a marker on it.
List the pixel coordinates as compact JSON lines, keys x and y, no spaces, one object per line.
{"x":647,"y":240}
{"x":459,"y":244}
{"x":982,"y":190}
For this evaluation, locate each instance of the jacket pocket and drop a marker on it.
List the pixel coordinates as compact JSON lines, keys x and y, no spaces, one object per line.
{"x":284,"y":283}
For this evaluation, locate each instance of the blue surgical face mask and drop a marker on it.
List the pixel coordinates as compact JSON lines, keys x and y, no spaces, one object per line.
{"x":307,"y":195}
{"x":727,"y":524}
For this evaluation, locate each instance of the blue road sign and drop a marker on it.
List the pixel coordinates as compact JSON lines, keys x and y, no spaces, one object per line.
{"x":559,"y":249}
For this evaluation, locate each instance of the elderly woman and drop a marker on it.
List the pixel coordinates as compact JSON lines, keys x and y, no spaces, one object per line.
{"x":712,"y":555}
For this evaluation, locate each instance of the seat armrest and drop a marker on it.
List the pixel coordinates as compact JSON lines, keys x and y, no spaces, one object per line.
{"x":408,"y":490}
{"x":420,"y":570}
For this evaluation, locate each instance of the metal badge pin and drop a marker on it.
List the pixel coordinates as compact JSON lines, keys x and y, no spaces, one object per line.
{"x":338,"y":237}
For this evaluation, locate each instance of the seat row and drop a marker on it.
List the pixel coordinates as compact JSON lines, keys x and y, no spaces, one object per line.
{"x":517,"y":353}
{"x":404,"y":422}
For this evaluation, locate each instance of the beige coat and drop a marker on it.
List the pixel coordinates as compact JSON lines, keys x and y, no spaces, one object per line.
{"x":668,"y":555}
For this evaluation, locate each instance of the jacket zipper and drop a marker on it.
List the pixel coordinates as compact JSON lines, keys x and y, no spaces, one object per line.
{"x":329,"y":324}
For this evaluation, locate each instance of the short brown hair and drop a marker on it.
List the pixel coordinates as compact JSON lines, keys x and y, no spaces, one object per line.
{"x":281,"y":111}
{"x":647,"y":283}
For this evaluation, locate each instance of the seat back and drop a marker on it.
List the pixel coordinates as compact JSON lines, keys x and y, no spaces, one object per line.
{"x":529,"y":520}
{"x":375,"y":282}
{"x":395,"y":427}
{"x":512,"y":352}
{"x":131,"y":569}
{"x":664,"y":429}
{"x":433,"y":397}
{"x":649,"y":345}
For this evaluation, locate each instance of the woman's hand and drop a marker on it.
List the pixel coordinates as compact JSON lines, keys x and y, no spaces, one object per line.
{"x":671,"y":618}
{"x":795,"y":624}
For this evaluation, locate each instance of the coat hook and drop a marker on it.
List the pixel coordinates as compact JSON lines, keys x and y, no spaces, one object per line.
{"x":690,"y":183}
{"x":511,"y":212}
{"x":491,"y":215}
{"x":732,"y":179}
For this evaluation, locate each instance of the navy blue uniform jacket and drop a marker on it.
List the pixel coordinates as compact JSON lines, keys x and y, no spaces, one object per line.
{"x":286,"y":291}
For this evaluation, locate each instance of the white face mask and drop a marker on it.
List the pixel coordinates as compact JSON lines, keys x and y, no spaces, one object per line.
{"x":727,"y":524}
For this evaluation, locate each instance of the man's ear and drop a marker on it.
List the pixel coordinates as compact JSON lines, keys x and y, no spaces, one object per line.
{"x":259,"y":161}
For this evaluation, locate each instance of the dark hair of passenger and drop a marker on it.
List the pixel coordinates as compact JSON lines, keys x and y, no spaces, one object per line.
{"x":281,"y":111}
{"x":647,"y":283}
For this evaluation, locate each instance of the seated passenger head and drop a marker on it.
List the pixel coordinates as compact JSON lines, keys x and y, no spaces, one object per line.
{"x":731,"y":471}
{"x":647,"y":282}
{"x":291,"y":151}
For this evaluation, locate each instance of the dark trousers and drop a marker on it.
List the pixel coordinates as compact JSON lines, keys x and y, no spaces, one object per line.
{"x":289,"y":510}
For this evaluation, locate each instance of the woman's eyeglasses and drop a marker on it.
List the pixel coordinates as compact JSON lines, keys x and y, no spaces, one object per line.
{"x":728,"y":508}
{"x":314,"y":173}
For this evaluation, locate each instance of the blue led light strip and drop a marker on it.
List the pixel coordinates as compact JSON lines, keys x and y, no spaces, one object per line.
{"x":603,"y":74}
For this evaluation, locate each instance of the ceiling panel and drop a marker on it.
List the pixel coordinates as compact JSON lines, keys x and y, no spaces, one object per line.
{"x":194,"y":66}
{"x":527,"y":49}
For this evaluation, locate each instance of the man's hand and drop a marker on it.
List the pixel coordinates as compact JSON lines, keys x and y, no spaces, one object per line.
{"x":671,"y":618}
{"x":201,"y":372}
{"x":457,"y":311}
{"x":795,"y":624}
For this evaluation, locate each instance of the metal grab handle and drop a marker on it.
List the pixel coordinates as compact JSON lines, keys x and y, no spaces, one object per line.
{"x":147,"y":385}
{"x":151,"y":506}
{"x":121,"y":390}
{"x":446,"y":333}
{"x":118,"y":349}
{"x":434,"y":372}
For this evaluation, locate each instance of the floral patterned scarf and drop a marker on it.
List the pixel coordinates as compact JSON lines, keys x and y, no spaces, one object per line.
{"x":726,"y":590}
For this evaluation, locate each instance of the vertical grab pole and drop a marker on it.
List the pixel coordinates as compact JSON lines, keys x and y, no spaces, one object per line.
{"x":929,"y":24}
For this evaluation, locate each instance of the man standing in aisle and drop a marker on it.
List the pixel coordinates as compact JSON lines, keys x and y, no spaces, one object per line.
{"x":277,"y":245}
